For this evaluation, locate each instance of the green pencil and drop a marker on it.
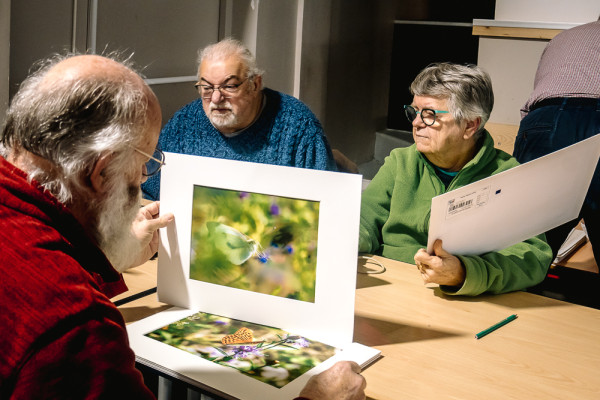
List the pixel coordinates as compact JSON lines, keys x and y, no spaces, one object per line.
{"x":495,"y":326}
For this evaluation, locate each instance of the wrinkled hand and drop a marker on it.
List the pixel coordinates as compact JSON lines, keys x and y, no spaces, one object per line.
{"x":442,"y":267}
{"x":145,"y":229}
{"x":340,"y":382}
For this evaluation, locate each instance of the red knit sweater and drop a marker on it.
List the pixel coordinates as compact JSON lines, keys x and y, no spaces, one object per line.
{"x":60,"y":335}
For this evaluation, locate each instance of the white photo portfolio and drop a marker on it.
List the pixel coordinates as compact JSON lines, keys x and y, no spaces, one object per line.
{"x":514,"y":205}
{"x":260,"y":266}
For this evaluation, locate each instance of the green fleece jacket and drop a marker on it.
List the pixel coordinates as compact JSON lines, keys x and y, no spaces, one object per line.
{"x":395,"y":211}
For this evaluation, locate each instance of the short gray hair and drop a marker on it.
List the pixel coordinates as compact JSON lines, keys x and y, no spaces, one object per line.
{"x":467,"y":88}
{"x":231,"y":47}
{"x":72,"y":123}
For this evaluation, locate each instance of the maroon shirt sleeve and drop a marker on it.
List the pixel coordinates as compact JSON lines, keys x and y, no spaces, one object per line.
{"x":91,"y":360}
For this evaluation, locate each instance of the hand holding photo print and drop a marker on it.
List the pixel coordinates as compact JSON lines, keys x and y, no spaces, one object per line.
{"x":256,"y":242}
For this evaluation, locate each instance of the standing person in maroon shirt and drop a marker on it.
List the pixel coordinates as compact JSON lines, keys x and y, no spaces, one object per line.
{"x":563,"y":109}
{"x":79,"y":139}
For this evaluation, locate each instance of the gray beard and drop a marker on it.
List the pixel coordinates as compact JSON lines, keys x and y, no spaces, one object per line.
{"x":222,"y":121}
{"x":116,"y":214}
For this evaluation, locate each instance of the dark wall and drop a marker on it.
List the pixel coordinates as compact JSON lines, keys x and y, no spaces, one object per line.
{"x":358,"y":74}
{"x":426,"y":32}
{"x":444,"y":10}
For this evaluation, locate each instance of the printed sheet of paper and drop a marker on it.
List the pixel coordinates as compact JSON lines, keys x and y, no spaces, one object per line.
{"x":514,"y":205}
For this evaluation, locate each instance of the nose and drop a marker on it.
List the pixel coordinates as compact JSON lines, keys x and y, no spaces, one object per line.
{"x":418,"y":122}
{"x":219,"y":96}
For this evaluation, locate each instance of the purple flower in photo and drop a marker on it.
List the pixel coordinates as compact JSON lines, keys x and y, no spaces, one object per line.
{"x":297,"y":340}
{"x":220,"y":322}
{"x":243,"y":195}
{"x":302,"y":342}
{"x":245,"y":351}
{"x":274,"y":209}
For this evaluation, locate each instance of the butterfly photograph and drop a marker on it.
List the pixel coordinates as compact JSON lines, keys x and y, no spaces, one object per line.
{"x":268,"y":354}
{"x":257,"y":242}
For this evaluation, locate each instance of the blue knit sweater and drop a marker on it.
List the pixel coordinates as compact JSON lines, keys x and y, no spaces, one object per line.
{"x":286,"y":133}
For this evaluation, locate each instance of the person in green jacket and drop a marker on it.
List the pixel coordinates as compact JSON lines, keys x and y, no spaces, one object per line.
{"x":451,"y":104}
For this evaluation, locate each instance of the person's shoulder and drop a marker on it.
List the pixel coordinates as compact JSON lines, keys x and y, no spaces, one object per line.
{"x":46,"y":286}
{"x":45,"y":250}
{"x":290,"y":117}
{"x":492,"y":154}
{"x":188,"y":112}
{"x":288,"y":103}
{"x":404,"y":153}
{"x":505,"y":157}
{"x":402,"y":159}
{"x":499,"y":155}
{"x":585,"y":32}
{"x":192,"y":107}
{"x":60,"y":269}
{"x":503,"y":161}
{"x":182,"y":122}
{"x":593,"y":26}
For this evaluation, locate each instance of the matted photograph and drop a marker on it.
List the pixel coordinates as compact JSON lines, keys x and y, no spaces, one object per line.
{"x":267,"y":354}
{"x":251,"y":241}
{"x":248,"y":238}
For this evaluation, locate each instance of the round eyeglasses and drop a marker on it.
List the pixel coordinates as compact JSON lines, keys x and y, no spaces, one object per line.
{"x":427,"y":114}
{"x":227,"y":90}
{"x":155,"y":161}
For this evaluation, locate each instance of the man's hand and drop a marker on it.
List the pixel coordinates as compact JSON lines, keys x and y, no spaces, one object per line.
{"x":442,"y":267}
{"x":145,"y":229}
{"x":340,"y":382}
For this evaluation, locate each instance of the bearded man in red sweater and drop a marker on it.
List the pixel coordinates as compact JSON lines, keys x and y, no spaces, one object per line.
{"x":79,"y":139}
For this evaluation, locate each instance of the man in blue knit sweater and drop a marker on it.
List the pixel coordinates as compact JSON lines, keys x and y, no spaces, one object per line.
{"x":236,"y":118}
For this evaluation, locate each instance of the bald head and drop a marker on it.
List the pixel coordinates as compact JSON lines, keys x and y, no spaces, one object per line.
{"x":86,"y":67}
{"x":71,"y":72}
{"x":76,"y":67}
{"x":73,"y":110}
{"x":80,"y":127}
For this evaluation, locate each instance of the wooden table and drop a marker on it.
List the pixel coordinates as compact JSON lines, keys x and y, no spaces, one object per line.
{"x":140,"y":280}
{"x":551,"y":351}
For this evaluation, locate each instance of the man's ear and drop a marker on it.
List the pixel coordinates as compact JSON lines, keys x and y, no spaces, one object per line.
{"x":257,"y":80}
{"x":98,"y":176}
{"x":472,"y":128}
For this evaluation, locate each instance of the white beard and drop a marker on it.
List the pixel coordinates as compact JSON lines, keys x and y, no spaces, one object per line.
{"x":116,"y":215}
{"x":222,"y":121}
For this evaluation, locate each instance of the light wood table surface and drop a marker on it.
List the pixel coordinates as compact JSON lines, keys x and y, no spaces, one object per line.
{"x":140,"y":280}
{"x":551,"y":351}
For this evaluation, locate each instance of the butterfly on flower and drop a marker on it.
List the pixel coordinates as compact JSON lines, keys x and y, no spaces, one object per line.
{"x":242,"y":335}
{"x":236,"y":246}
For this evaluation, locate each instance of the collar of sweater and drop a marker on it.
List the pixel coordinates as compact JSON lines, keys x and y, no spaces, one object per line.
{"x":262,"y":108}
{"x":481,"y":159}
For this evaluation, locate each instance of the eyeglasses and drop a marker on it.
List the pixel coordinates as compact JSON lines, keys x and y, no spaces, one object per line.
{"x":154,"y":163}
{"x":427,"y":114}
{"x":227,"y":90}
